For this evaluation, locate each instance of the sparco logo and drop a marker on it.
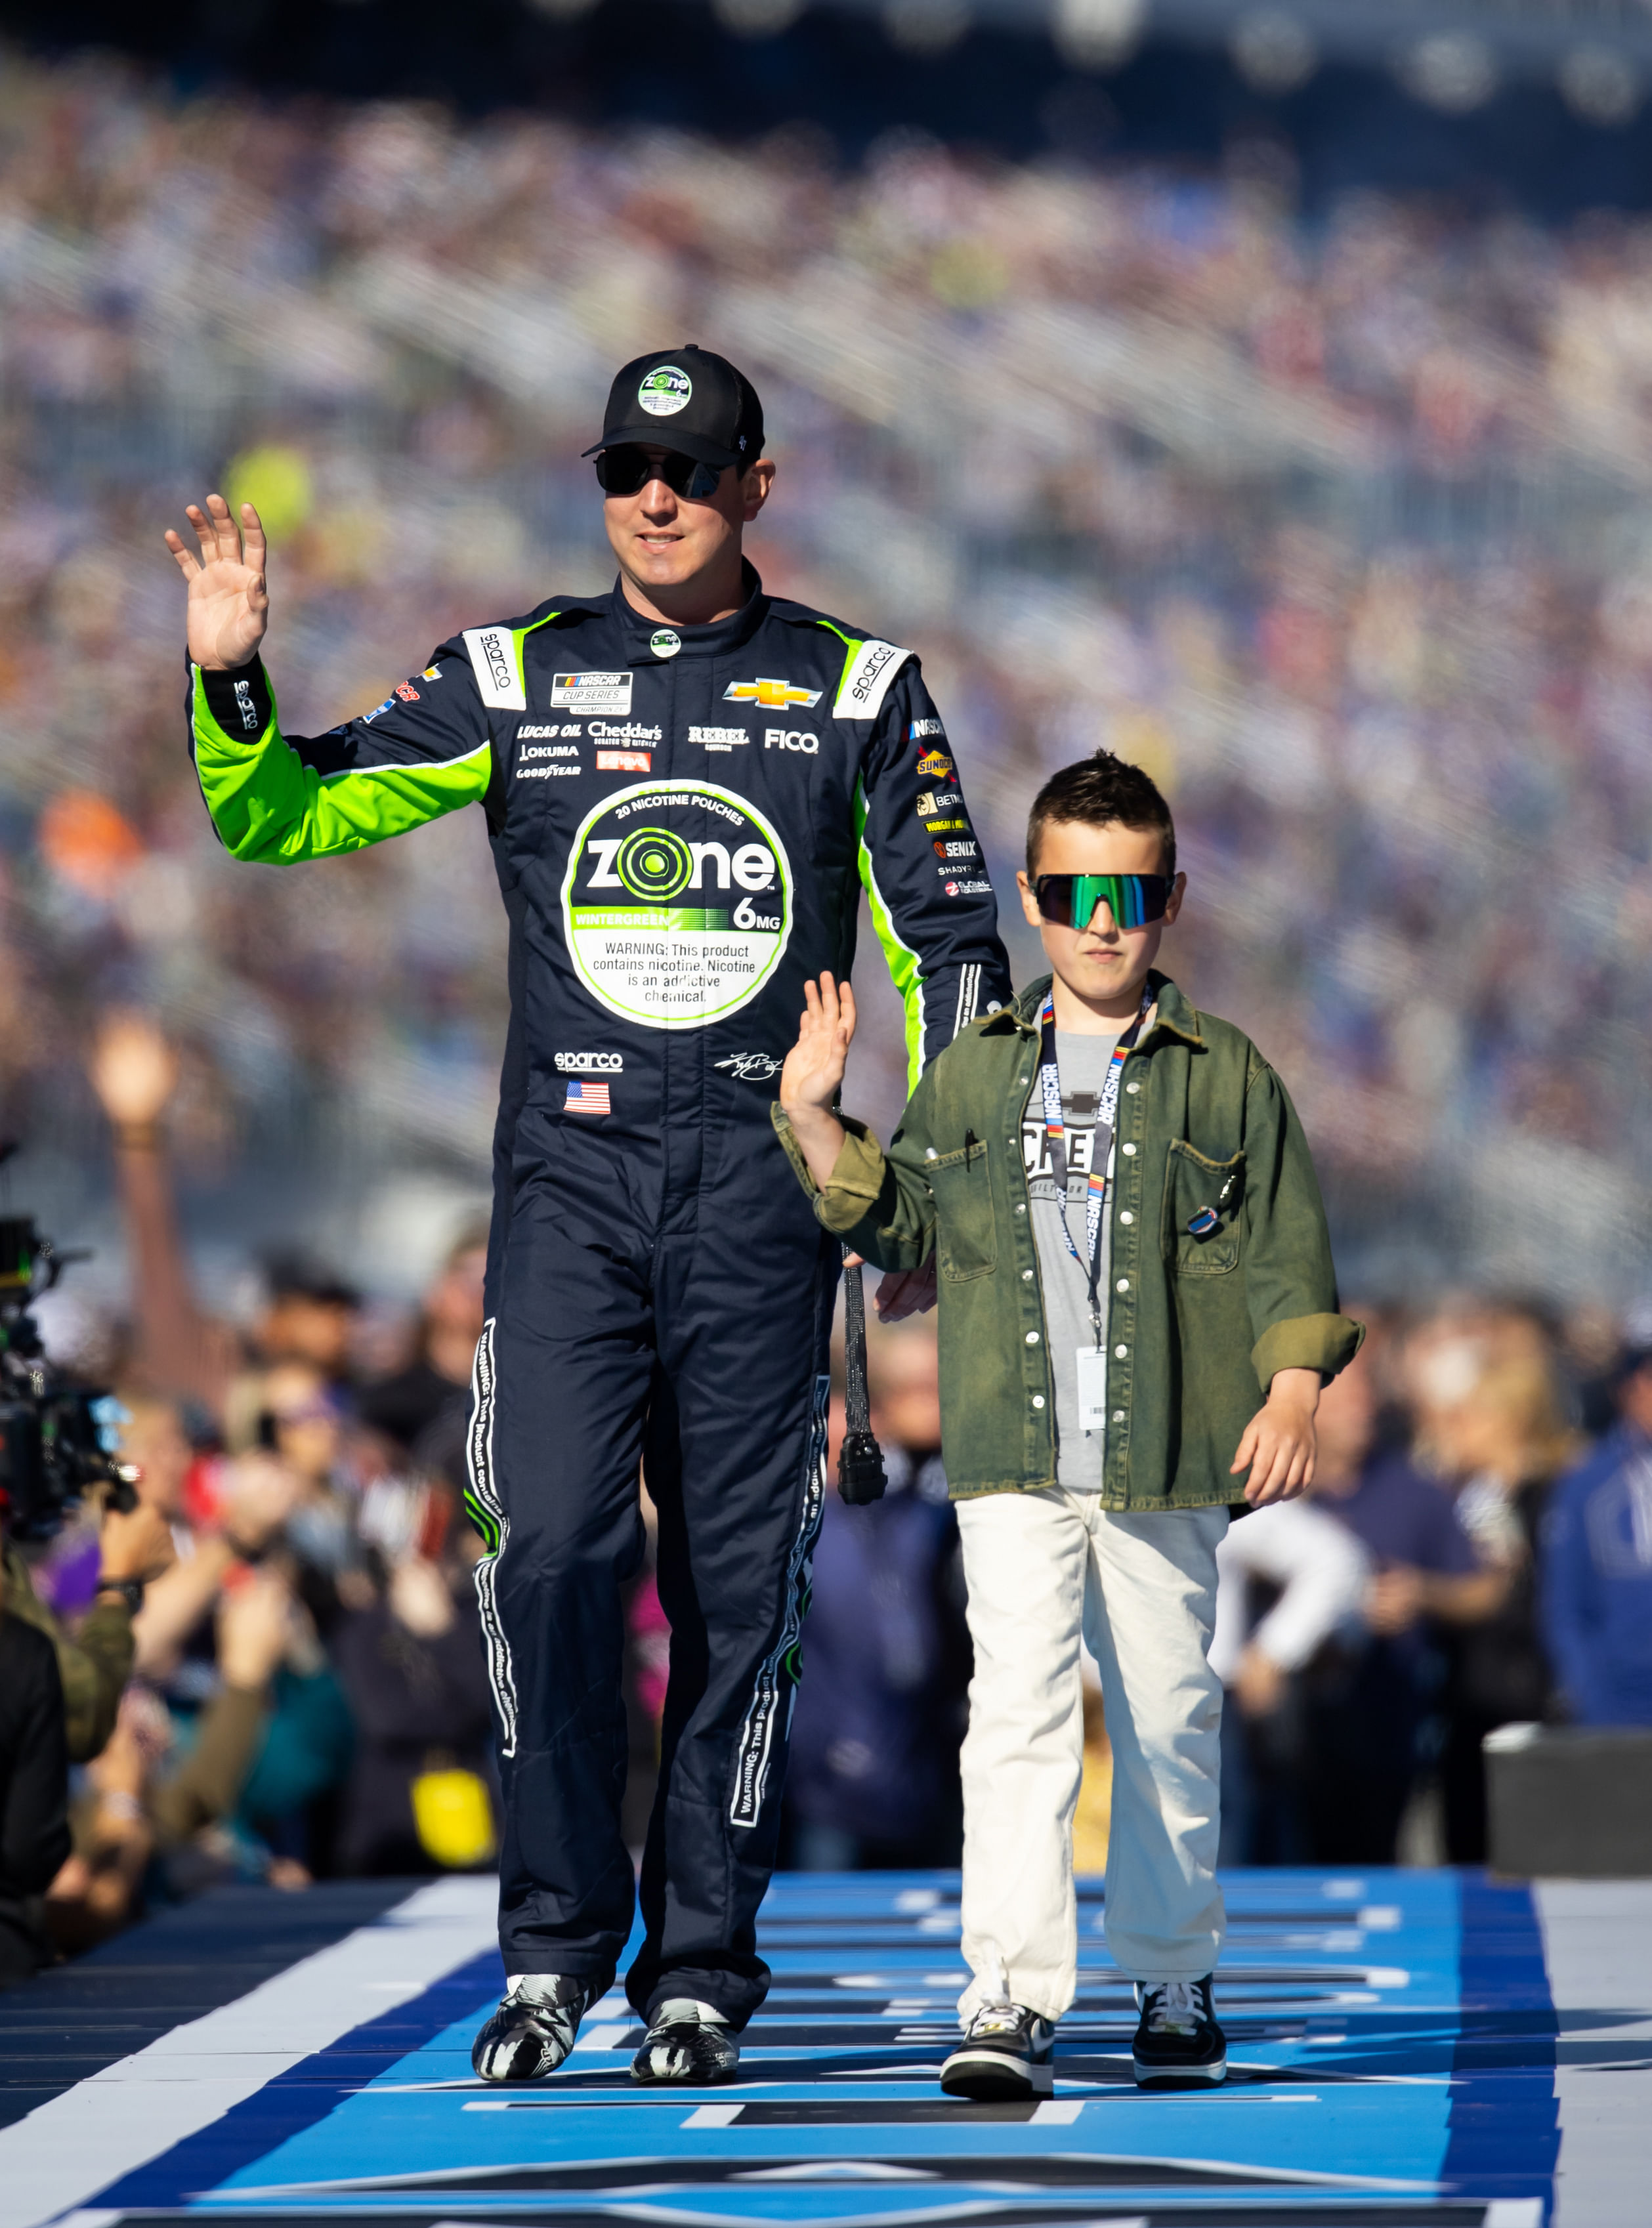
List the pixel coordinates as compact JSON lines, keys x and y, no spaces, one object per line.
{"x":244,"y":706}
{"x":864,"y":687}
{"x":590,"y":1063}
{"x":499,"y":664}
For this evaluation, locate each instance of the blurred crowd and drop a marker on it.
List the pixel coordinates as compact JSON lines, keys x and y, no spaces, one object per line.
{"x":1340,"y":528}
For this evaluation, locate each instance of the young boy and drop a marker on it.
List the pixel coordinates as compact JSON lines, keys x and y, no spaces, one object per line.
{"x":1130,"y":1246}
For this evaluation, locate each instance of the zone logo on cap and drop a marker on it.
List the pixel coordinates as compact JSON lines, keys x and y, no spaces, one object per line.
{"x":772,"y":695}
{"x":665,"y":391}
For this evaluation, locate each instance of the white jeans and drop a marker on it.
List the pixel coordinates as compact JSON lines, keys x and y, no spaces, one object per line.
{"x":1040,"y":1566}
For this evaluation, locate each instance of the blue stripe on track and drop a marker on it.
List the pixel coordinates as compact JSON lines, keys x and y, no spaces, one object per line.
{"x":1505,"y":2123}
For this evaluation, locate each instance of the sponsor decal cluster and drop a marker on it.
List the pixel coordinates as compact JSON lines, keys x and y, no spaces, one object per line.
{"x":771,"y":695}
{"x":591,"y":1063}
{"x":676,"y":904}
{"x":719,"y":738}
{"x":590,"y":692}
{"x":665,"y":391}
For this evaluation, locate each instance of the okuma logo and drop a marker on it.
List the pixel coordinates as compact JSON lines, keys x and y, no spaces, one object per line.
{"x":665,"y":391}
{"x":676,"y":904}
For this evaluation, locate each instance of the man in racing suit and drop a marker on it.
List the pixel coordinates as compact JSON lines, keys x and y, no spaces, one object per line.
{"x":686,"y":785}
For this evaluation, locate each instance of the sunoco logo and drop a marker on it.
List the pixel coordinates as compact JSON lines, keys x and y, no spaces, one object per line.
{"x":665,"y":391}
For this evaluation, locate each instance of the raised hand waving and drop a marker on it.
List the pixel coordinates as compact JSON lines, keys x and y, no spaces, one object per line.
{"x":229,"y":601}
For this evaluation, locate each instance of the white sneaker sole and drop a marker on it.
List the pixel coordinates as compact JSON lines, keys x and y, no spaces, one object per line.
{"x":1182,"y":2077}
{"x":991,"y":2076}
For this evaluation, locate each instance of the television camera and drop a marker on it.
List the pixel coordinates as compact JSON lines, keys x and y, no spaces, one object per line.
{"x":58,"y":1439}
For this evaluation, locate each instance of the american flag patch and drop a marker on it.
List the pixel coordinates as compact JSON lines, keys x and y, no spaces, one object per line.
{"x":586,"y":1099}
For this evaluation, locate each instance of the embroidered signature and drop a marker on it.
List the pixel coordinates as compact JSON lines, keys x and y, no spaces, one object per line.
{"x":751,"y":1066}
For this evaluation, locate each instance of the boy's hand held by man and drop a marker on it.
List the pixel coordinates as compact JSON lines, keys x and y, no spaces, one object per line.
{"x":1279,"y":1443}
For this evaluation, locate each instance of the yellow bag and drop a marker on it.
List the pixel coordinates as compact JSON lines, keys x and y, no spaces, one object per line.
{"x":454,"y":1818}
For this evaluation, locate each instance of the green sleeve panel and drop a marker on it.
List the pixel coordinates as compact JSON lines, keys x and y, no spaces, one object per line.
{"x":269,"y":803}
{"x":904,"y":969}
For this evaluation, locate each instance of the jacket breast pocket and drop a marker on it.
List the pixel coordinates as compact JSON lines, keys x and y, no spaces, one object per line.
{"x":966,"y":1235}
{"x":1203,"y":1198}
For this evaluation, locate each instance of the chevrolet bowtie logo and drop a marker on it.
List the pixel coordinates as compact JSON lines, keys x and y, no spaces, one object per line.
{"x":772,"y":695}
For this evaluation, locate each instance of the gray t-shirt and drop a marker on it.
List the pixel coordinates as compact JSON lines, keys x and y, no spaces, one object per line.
{"x":1082,"y":1062}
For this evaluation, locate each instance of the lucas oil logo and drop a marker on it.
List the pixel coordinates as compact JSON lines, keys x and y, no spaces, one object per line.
{"x":676,"y":905}
{"x":665,"y":391}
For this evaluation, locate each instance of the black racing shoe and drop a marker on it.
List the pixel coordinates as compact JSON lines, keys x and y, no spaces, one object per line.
{"x":687,"y":2043}
{"x":534,"y":2028}
{"x":1178,"y":2043}
{"x":1007,"y":2052}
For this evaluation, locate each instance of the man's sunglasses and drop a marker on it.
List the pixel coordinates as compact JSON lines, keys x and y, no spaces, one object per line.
{"x":1134,"y":900}
{"x":628,"y":469}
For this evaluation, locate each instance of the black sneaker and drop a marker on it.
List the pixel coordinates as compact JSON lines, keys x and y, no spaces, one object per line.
{"x":688,"y":2043}
{"x":534,"y":2028}
{"x":1007,"y":2052}
{"x":1178,"y":2043}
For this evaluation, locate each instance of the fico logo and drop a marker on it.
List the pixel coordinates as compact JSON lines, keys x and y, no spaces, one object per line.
{"x":790,"y":738}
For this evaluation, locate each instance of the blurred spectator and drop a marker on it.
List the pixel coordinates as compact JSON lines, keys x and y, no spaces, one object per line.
{"x":873,"y":1777}
{"x":158,"y":1787}
{"x":1289,"y":1580}
{"x":1596,"y":1566}
{"x":437,"y":1380}
{"x":419,"y":1798}
{"x":1369,"y":1701}
{"x":1492,"y":1424}
{"x":95,"y":1657}
{"x":34,"y":1789}
{"x":177,"y":1350}
{"x":308,"y":1316}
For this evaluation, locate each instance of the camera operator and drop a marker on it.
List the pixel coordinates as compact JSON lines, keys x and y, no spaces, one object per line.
{"x":33,"y":1791}
{"x":95,"y":1663}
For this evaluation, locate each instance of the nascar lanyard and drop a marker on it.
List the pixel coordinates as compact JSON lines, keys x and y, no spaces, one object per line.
{"x":1102,"y":1145}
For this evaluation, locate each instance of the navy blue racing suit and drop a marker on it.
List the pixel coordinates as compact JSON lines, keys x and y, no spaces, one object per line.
{"x":683,"y":819}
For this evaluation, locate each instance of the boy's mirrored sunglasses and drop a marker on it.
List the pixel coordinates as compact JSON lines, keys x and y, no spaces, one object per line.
{"x":1134,"y":900}
{"x":628,"y":469}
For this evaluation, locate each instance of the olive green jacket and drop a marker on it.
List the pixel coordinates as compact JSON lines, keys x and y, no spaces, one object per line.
{"x":1196,"y":1327}
{"x":94,"y":1664}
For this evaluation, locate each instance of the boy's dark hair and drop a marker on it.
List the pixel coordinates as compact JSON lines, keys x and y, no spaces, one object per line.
{"x":1098,"y":790}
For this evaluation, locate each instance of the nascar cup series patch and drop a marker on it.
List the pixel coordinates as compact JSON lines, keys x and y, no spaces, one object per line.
{"x":678,"y":903}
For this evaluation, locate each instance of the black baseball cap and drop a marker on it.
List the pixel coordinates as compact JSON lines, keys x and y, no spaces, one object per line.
{"x":687,"y":398}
